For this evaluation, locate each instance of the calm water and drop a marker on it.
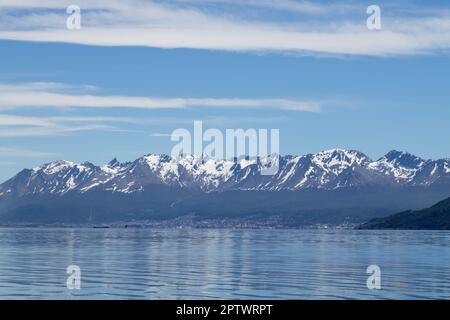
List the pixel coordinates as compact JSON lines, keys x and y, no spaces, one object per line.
{"x":238,"y":264}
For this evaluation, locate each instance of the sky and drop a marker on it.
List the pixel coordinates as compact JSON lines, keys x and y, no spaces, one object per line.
{"x":137,"y":70}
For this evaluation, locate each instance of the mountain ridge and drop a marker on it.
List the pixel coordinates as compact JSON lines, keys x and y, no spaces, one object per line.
{"x":333,"y":186}
{"x":436,"y":217}
{"x":329,"y":169}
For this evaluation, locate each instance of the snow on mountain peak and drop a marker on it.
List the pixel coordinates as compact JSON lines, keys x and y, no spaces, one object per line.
{"x":337,"y":160}
{"x":401,"y":165}
{"x":54,"y":167}
{"x":341,"y":155}
{"x":329,"y":169}
{"x":403,"y":159}
{"x":113,"y":163}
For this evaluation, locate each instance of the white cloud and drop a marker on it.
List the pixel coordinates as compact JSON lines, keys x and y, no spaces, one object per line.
{"x":296,"y":6}
{"x":147,"y":23}
{"x":12,"y":120}
{"x":22,"y":153}
{"x":160,"y":135}
{"x":52,"y":130}
{"x":7,"y":163}
{"x":26,"y":126}
{"x":42,"y":95}
{"x":34,"y":126}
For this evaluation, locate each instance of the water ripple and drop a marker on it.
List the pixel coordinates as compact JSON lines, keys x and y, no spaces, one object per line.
{"x":226,"y":264}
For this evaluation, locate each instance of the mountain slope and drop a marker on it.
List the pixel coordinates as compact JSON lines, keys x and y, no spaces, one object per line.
{"x":334,"y":185}
{"x":436,"y":217}
{"x":328,"y":170}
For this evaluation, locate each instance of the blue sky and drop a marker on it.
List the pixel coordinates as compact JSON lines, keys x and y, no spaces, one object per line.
{"x":131,"y":75}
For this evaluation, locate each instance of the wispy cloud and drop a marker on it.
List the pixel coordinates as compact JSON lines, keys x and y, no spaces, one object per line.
{"x":160,"y":135}
{"x":7,"y":163}
{"x":21,"y":153}
{"x":51,"y":130}
{"x":54,"y":96}
{"x":190,"y":25}
{"x":32,"y":126}
{"x":291,"y":6}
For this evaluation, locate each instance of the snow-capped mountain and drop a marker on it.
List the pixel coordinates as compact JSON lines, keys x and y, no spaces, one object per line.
{"x":327,"y":170}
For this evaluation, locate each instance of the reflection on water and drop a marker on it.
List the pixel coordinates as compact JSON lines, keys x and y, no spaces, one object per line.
{"x":238,"y":264}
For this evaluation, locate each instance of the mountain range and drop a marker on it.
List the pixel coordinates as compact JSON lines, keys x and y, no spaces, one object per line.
{"x":333,"y":186}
